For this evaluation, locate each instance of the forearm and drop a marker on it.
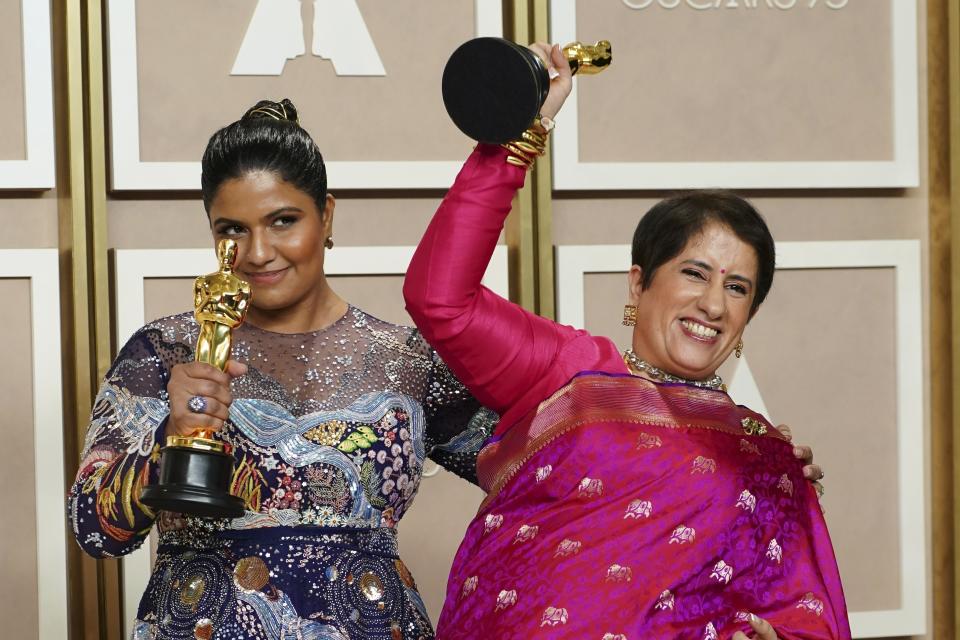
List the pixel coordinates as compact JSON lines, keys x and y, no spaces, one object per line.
{"x":121,"y":456}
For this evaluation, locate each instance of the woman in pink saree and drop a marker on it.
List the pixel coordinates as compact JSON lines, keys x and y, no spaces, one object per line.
{"x":628,"y":496}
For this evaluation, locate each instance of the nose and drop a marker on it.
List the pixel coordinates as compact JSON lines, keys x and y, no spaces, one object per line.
{"x":713,"y":301}
{"x":259,"y":250}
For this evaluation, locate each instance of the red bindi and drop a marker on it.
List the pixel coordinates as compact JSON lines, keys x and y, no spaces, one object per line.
{"x":723,"y":270}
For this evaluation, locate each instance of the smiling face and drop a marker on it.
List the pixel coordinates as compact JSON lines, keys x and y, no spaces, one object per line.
{"x":693,"y":313}
{"x":280,"y":235}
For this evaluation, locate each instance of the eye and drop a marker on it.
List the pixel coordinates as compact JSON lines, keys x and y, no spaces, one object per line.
{"x":694,"y":273}
{"x":229,"y":230}
{"x":737,"y":288}
{"x":283,"y":222}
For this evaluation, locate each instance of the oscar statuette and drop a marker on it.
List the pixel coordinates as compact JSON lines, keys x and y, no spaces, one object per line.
{"x":493,"y":88}
{"x":196,"y":469}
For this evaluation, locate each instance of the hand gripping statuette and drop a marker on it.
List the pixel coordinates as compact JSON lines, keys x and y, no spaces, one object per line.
{"x":196,"y":469}
{"x":493,"y":88}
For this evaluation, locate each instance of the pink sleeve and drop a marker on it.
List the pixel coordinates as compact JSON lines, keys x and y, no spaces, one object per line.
{"x":509,"y":358}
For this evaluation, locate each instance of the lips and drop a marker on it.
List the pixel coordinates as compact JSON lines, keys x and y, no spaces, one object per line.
{"x":265,"y":277}
{"x":698,"y":331}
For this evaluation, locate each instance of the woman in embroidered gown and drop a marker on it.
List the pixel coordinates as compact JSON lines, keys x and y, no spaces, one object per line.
{"x":331,"y":416}
{"x":628,"y":496}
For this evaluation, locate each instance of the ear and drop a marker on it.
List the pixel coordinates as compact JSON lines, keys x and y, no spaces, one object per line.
{"x":326,"y":216}
{"x":634,"y":284}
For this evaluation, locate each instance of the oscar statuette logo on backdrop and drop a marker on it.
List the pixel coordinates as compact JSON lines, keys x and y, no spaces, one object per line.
{"x":277,"y":33}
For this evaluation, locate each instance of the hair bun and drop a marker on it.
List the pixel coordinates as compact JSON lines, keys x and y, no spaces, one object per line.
{"x":283,"y":111}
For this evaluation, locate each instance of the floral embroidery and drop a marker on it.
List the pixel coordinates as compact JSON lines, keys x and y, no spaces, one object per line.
{"x":753,"y":427}
{"x":704,"y":465}
{"x":612,"y":636}
{"x":543,"y":472}
{"x":590,"y":488}
{"x":567,"y":548}
{"x":665,"y":601}
{"x":506,"y":599}
{"x":618,"y":573}
{"x":811,"y":604}
{"x":710,"y":632}
{"x":647,"y":441}
{"x":747,"y":501}
{"x":287,"y":494}
{"x":785,"y":485}
{"x":722,"y":572}
{"x":774,"y":552}
{"x":552,"y":616}
{"x":492,"y":522}
{"x":469,"y":586}
{"x":748,"y":447}
{"x":742,"y":616}
{"x":526,"y":532}
{"x":638,"y":508}
{"x":683,"y":534}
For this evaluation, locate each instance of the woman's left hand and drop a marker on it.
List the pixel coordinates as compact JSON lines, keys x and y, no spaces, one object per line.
{"x":811,"y":471}
{"x":763,"y":628}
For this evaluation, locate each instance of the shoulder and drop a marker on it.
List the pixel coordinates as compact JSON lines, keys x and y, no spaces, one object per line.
{"x":398,"y":336}
{"x":172,"y":336}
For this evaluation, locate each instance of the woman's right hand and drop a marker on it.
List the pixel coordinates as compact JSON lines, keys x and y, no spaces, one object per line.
{"x":206,"y":381}
{"x":561,"y":78}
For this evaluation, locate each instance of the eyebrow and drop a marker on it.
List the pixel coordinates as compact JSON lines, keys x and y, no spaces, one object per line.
{"x":267,"y":216}
{"x":707,"y":267}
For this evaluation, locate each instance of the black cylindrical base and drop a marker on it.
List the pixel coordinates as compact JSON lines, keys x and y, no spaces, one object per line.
{"x":494,"y":88}
{"x":195,"y":482}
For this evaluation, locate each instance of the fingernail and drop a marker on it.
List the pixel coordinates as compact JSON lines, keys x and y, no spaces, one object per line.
{"x":753,"y":618}
{"x":553,"y":73}
{"x":797,"y":451}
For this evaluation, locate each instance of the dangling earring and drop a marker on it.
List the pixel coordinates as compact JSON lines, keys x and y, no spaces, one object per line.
{"x":328,"y":243}
{"x":738,"y":351}
{"x":629,"y":315}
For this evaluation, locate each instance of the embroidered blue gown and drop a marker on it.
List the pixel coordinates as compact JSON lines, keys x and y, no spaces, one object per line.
{"x":330,"y":431}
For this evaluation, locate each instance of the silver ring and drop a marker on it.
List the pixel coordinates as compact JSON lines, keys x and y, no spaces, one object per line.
{"x":197,"y":404}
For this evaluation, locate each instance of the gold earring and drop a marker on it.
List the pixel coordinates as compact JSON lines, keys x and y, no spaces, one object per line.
{"x":629,"y":315}
{"x":739,"y":349}
{"x":328,"y":243}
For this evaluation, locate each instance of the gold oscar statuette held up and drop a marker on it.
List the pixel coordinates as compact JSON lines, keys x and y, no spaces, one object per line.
{"x":220,"y":302}
{"x":588,"y":59}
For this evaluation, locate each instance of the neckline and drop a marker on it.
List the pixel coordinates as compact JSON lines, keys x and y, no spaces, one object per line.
{"x":313,"y":332}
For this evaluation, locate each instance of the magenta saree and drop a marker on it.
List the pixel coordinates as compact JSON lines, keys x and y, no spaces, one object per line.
{"x":627,"y":509}
{"x":617,"y":508}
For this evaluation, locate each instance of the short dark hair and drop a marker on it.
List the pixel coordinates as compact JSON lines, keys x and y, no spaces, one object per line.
{"x":267,"y":138}
{"x":667,"y":228}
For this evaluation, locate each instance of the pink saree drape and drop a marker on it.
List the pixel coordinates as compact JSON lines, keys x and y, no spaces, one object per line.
{"x":617,"y":509}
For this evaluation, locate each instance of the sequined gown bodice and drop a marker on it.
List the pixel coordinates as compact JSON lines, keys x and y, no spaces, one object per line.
{"x":330,"y":431}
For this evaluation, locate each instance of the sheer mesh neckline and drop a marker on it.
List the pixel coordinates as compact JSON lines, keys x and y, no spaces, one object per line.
{"x":280,"y":335}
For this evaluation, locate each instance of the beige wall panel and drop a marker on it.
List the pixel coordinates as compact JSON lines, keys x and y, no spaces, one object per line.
{"x":744,"y":85}
{"x":186,"y":50}
{"x":822,"y":353}
{"x":29,"y":221}
{"x":165,"y":224}
{"x":13,"y":143}
{"x":791,"y":216}
{"x":18,"y":534}
{"x":431,"y":531}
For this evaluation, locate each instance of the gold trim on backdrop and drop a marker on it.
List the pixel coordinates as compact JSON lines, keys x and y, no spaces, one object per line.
{"x":941,"y":400}
{"x":951,"y":502}
{"x":520,"y":230}
{"x":78,"y":76}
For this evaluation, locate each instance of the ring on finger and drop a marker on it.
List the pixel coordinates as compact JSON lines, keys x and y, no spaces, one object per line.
{"x":197,"y":404}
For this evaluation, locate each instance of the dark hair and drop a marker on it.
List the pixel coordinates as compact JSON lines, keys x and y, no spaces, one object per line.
{"x":667,"y":228}
{"x":267,"y":138}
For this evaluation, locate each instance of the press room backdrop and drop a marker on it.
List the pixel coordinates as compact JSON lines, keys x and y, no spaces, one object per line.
{"x":815,"y":109}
